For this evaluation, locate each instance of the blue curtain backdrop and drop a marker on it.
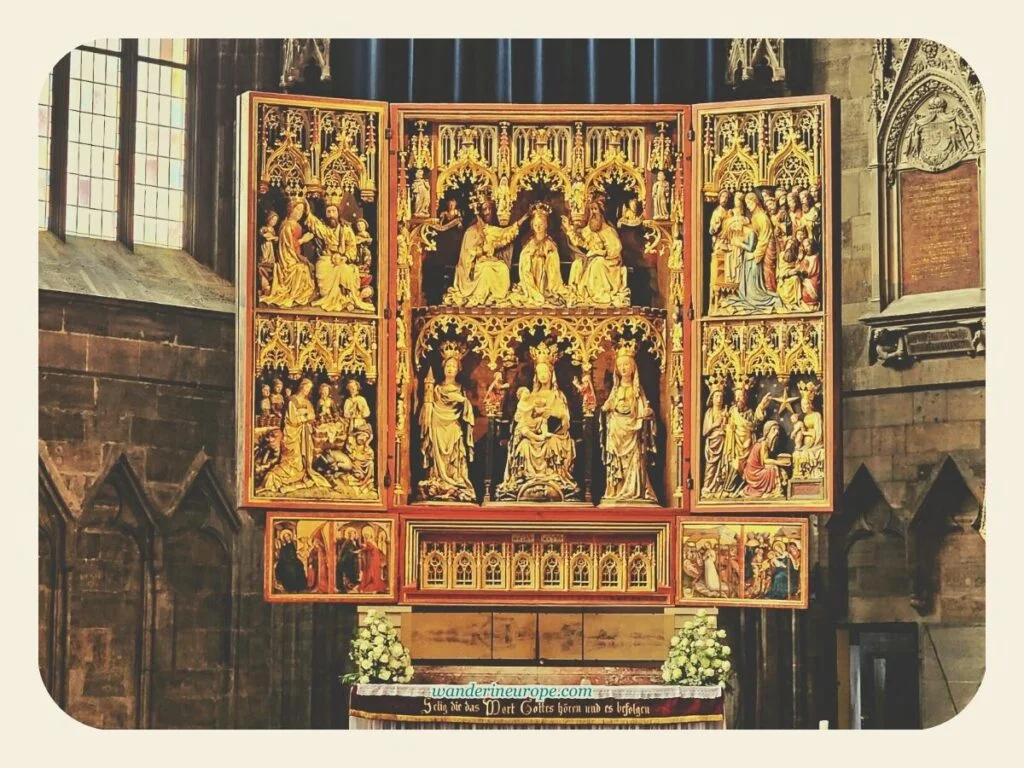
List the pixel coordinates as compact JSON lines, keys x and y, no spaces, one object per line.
{"x":621,"y":71}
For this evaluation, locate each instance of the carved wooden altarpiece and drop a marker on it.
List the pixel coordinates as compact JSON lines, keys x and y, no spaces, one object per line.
{"x":495,"y":354}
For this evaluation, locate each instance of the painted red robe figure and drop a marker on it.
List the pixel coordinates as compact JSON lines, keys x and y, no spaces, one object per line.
{"x":809,"y":267}
{"x":372,"y":558}
{"x":762,"y":474}
{"x":317,"y":568}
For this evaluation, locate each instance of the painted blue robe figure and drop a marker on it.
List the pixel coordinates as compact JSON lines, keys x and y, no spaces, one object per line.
{"x":785,"y":583}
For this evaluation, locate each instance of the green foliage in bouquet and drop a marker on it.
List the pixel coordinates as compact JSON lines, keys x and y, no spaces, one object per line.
{"x":696,"y":655}
{"x":376,"y":653}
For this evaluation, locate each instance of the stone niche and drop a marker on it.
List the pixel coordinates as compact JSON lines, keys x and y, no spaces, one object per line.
{"x":928,"y":112}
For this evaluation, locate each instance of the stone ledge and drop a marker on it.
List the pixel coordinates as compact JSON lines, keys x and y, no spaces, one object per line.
{"x":912,"y":328}
{"x":107,"y":269}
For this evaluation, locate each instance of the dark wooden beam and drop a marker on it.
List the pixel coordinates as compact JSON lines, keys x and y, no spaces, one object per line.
{"x":59,"y":147}
{"x":126,"y":142}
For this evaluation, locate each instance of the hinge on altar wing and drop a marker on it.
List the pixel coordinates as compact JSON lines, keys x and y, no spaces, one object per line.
{"x":387,"y":313}
{"x":387,"y":133}
{"x":689,"y":483}
{"x":690,"y":135}
{"x":387,"y":479}
{"x":689,"y":312}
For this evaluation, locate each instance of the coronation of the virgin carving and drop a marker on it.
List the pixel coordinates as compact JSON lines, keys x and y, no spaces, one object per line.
{"x":492,"y":354}
{"x":549,"y":249}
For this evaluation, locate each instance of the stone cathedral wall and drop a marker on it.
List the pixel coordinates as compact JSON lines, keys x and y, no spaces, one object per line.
{"x":913,"y":439}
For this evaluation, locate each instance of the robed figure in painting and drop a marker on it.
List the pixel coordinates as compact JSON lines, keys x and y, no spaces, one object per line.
{"x":372,"y":565}
{"x":347,"y":569}
{"x":627,"y":417}
{"x":295,"y":470}
{"x":316,"y":564}
{"x":289,"y":570}
{"x":446,"y":431}
{"x":785,"y":571}
{"x":541,"y":453}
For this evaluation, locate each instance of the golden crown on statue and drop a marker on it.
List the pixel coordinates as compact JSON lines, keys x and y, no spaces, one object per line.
{"x":746,"y":384}
{"x":452,"y":350}
{"x":626,"y":348}
{"x":544,"y":353}
{"x":540,"y":208}
{"x":808,"y":388}
{"x":716,"y":383}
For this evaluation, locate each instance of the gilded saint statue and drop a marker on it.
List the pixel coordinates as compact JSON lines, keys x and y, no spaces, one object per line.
{"x":482,"y":275}
{"x":808,"y":435}
{"x":540,"y":276}
{"x":716,"y":468}
{"x":420,"y":196}
{"x":660,"y":195}
{"x":597,"y":276}
{"x":627,"y":426}
{"x":541,"y":452}
{"x":446,"y":433}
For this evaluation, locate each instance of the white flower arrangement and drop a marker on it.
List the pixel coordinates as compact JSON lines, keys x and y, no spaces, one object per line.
{"x":696,"y":655}
{"x":377,"y":654}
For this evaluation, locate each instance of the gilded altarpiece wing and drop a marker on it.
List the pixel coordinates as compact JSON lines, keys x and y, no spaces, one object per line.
{"x":313,"y":248}
{"x":763,"y":394}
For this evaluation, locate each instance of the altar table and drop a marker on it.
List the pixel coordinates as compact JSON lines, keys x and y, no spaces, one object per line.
{"x":492,"y":705}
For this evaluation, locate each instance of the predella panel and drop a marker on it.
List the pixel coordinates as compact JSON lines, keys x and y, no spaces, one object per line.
{"x":313,"y":265}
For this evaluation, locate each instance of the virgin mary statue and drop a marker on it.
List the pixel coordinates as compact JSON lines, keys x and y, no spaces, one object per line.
{"x":446,"y":430}
{"x":626,"y":443}
{"x":541,"y":453}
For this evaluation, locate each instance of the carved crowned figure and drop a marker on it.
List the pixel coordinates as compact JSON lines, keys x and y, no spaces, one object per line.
{"x":540,"y":276}
{"x":541,"y":453}
{"x":446,"y":431}
{"x":628,"y":423}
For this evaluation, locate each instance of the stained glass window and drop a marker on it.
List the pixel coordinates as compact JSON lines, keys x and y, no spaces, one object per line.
{"x":93,"y":142}
{"x":160,"y":143}
{"x":45,"y":128}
